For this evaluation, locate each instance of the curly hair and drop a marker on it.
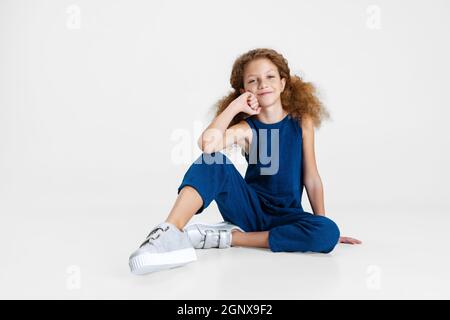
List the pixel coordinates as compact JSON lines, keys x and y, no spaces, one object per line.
{"x":298,"y":97}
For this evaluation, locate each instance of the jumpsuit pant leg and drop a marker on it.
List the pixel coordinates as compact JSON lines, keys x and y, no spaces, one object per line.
{"x":215,"y":177}
{"x":303,"y":232}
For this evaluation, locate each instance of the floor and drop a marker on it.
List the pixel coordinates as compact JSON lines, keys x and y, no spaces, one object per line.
{"x":83,"y":254}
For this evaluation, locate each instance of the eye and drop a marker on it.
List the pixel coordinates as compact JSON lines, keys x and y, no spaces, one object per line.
{"x":251,"y":81}
{"x":271,"y":77}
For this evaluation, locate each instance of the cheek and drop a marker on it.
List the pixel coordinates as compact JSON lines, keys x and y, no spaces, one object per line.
{"x":279,"y":86}
{"x":250,"y":88}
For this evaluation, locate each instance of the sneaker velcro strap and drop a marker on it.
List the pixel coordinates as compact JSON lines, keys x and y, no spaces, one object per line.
{"x":210,"y":239}
{"x":223,"y":239}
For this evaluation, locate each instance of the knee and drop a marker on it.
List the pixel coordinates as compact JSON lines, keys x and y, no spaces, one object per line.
{"x":209,"y":171}
{"x":209,"y":164}
{"x":213,"y":160}
{"x":325,"y":236}
{"x":331,"y":235}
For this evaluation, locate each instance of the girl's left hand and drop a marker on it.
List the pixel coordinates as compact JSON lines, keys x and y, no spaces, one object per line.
{"x":349,"y":240}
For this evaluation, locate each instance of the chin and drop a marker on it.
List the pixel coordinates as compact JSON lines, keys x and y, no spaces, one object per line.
{"x":266,"y":103}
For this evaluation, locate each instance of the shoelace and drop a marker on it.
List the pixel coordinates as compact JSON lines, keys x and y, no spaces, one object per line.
{"x":149,"y":238}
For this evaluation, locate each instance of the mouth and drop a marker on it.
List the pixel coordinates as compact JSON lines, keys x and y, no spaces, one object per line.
{"x":264,"y":93}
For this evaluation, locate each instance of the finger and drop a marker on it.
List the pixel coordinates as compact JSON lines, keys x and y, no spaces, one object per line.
{"x":252,"y":105}
{"x":251,"y":101}
{"x":253,"y":111}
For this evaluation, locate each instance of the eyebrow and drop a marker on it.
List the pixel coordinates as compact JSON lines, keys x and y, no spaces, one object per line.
{"x":255,"y":74}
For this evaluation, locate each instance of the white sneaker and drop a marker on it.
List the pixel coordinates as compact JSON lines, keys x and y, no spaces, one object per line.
{"x":205,"y":236}
{"x":164,"y":248}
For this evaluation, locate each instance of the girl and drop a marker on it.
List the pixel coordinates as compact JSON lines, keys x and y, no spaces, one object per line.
{"x":271,"y":113}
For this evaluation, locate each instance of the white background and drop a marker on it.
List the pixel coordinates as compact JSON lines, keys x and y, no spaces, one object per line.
{"x":94,"y":96}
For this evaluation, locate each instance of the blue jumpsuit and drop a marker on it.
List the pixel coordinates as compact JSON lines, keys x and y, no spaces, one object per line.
{"x":269,"y":197}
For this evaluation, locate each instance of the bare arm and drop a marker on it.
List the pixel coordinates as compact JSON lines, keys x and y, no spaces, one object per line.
{"x":214,"y":136}
{"x":217,"y":137}
{"x":311,"y":177}
{"x":312,"y":181}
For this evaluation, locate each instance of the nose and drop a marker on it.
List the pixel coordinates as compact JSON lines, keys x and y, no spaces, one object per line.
{"x":262,"y":85}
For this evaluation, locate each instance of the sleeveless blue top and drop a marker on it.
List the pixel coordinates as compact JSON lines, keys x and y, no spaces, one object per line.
{"x":275,"y":164}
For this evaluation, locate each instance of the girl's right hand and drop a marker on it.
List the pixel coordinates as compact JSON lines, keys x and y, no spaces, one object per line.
{"x":247,"y":103}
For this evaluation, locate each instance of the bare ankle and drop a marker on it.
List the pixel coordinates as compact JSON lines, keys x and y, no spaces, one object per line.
{"x":177,"y":224}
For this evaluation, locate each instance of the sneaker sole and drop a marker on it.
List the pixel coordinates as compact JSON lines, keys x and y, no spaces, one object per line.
{"x":151,"y":262}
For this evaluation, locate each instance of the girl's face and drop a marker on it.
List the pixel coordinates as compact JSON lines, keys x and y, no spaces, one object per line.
{"x":261,"y":77}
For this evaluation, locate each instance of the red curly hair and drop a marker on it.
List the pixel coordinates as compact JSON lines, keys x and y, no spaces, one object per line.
{"x":298,"y":97}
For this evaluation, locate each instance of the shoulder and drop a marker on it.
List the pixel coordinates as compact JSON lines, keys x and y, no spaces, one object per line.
{"x":309,"y":165}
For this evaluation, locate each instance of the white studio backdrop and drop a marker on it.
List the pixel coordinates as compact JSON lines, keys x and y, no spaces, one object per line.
{"x":96,"y":98}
